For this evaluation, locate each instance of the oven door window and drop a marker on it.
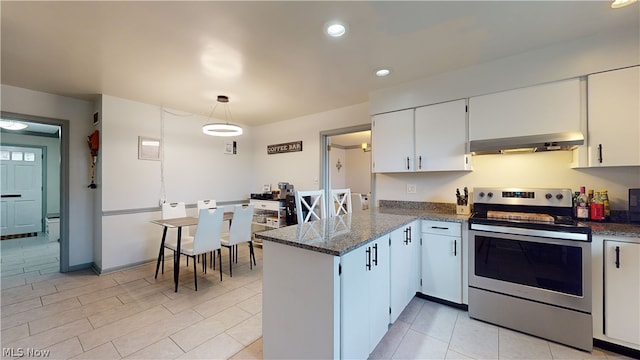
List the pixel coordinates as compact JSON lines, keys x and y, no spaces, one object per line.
{"x":547,"y":266}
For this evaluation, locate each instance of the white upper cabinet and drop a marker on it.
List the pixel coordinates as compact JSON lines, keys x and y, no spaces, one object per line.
{"x":614,"y":118}
{"x":392,"y":142}
{"x":542,"y":109}
{"x":441,"y":137}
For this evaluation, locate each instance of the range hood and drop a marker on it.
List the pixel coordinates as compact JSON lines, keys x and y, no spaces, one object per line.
{"x":530,"y":143}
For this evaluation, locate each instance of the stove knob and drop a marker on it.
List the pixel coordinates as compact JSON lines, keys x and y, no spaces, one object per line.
{"x":559,"y":197}
{"x":481,"y":194}
{"x":548,"y":196}
{"x":489,"y":194}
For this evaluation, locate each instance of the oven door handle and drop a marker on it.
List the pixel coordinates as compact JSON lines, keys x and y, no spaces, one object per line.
{"x":531,"y":232}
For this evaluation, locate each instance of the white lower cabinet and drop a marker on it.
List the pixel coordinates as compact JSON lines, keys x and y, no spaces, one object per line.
{"x":442,"y":260}
{"x":364,"y":292}
{"x":622,"y":291}
{"x":405,"y":267}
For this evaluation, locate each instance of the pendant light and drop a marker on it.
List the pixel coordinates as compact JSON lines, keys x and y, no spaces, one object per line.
{"x":222,"y":129}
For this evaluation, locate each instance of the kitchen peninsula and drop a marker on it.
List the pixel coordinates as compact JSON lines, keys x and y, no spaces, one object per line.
{"x":329,"y":285}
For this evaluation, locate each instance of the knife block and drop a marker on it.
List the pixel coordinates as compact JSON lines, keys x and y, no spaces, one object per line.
{"x":463,"y":209}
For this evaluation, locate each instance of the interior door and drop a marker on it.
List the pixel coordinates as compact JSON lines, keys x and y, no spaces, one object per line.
{"x":21,"y":189}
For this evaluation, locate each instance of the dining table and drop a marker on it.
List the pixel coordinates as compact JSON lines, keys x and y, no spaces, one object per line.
{"x":179,"y":223}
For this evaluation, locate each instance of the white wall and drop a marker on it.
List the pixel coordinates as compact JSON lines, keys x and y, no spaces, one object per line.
{"x":79,"y":115}
{"x":338,"y":177}
{"x":359,"y":172}
{"x":550,"y":169}
{"x":302,"y":169}
{"x":604,"y":51}
{"x":52,"y":146}
{"x":195,"y":167}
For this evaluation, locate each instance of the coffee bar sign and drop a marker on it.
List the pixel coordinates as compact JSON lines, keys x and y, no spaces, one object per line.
{"x":284,"y":148}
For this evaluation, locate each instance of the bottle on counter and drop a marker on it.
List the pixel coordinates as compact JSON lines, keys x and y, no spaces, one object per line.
{"x":575,"y":203}
{"x":597,"y":208}
{"x":607,"y":207}
{"x":582,"y":205}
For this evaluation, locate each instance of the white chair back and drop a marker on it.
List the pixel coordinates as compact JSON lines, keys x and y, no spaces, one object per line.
{"x":240,"y":230}
{"x":206,"y":204}
{"x":314,"y":209}
{"x":207,"y":237}
{"x":175,"y":210}
{"x":341,"y":201}
{"x":357,"y":203}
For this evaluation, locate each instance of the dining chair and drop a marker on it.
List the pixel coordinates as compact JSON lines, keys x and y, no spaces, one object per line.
{"x":172,"y":211}
{"x":206,"y":204}
{"x":239,"y":232}
{"x":357,"y":203}
{"x":341,"y":200}
{"x":206,"y":239}
{"x":309,"y":205}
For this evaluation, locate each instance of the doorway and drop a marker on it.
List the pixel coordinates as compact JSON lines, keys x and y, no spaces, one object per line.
{"x":51,"y":136}
{"x":345,"y":162}
{"x":21,"y":206}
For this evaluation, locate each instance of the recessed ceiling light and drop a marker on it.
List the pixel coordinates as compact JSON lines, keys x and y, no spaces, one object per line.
{"x":383,"y":72}
{"x":621,"y":3}
{"x":12,"y":125}
{"x":335,"y":29}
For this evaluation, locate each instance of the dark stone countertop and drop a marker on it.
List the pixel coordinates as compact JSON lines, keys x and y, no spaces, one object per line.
{"x":337,"y":236}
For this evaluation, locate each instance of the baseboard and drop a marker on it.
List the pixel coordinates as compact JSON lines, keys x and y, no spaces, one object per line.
{"x":443,"y":302}
{"x":80,"y":267}
{"x":618,"y":349}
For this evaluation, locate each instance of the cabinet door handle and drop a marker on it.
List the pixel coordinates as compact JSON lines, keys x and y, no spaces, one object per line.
{"x":409,"y":233}
{"x":617,"y":257}
{"x":455,"y":247}
{"x":406,"y":237}
{"x":375,"y":256}
{"x":408,"y":168}
{"x":368,"y":264}
{"x":440,"y":227}
{"x":600,"y":153}
{"x":420,"y":162}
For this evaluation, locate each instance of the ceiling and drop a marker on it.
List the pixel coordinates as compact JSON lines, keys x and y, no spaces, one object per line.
{"x":272,"y":58}
{"x":351,"y":139}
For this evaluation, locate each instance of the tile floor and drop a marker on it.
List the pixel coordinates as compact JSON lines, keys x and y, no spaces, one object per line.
{"x":129,"y":314}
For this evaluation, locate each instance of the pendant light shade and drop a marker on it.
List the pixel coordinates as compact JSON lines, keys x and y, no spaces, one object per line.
{"x":222,"y":129}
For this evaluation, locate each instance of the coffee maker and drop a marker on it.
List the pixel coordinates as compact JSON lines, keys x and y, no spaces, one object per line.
{"x":285,"y":189}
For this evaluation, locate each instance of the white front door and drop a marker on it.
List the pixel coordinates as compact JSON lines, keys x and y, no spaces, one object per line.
{"x":21,"y":190}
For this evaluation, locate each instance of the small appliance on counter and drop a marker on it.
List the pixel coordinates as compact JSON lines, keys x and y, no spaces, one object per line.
{"x":262,"y":196}
{"x":634,"y":205}
{"x":285,"y":190}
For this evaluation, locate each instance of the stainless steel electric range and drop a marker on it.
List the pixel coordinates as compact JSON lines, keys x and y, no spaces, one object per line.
{"x":530,"y":264}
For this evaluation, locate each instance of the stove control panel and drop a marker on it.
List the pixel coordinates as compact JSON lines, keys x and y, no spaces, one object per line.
{"x":523,"y":196}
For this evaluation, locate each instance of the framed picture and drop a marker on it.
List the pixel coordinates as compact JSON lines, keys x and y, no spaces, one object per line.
{"x":148,"y":148}
{"x":230,"y":148}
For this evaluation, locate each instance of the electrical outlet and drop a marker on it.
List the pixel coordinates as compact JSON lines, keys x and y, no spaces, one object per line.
{"x":411,"y":188}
